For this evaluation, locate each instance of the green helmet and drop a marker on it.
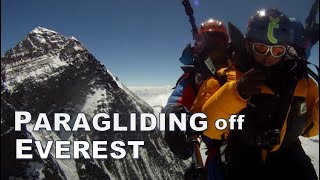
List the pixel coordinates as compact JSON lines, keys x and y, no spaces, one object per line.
{"x":269,"y":27}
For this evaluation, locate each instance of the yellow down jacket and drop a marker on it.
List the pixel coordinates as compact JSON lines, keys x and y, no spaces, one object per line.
{"x":222,"y":102}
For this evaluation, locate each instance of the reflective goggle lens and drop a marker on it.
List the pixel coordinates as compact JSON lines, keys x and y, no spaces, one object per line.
{"x":263,"y":49}
{"x":260,"y":48}
{"x":278,"y":50}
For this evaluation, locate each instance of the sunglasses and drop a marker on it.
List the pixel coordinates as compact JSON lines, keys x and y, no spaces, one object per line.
{"x":263,"y":49}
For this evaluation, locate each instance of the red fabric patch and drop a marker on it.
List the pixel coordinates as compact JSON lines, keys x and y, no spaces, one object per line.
{"x":188,"y":97}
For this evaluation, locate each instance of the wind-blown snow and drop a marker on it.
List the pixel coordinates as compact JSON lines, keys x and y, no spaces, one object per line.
{"x":158,"y":96}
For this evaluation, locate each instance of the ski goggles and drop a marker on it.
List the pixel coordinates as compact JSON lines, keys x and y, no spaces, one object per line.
{"x":263,"y":49}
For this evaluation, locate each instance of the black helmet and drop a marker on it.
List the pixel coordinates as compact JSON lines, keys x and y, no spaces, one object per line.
{"x":269,"y":27}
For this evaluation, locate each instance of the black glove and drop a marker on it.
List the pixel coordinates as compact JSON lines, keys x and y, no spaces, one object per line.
{"x":177,"y":140}
{"x":249,"y":82}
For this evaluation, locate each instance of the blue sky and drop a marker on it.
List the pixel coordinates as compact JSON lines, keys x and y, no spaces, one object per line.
{"x":140,"y":41}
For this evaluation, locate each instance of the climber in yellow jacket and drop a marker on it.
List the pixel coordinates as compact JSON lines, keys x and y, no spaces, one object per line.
{"x":279,"y":102}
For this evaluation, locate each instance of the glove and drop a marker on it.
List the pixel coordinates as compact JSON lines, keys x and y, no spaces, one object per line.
{"x":249,"y":82}
{"x":177,"y":140}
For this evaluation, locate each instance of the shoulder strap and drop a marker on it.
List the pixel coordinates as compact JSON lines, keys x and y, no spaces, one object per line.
{"x":193,"y":83}
{"x":311,"y":125}
{"x":284,"y":107}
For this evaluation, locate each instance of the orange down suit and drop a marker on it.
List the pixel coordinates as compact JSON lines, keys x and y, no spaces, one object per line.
{"x":222,"y":102}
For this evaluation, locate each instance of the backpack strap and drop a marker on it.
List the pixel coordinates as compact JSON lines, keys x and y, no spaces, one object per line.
{"x":284,"y":107}
{"x":193,"y":83}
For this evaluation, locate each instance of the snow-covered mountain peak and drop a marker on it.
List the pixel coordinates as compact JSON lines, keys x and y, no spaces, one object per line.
{"x":50,"y":73}
{"x":40,"y":54}
{"x":73,"y":38}
{"x":42,"y":30}
{"x":42,"y":41}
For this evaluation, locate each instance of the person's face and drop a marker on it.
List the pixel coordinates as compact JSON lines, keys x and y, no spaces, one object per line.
{"x":216,"y":47}
{"x":267,"y":55}
{"x":266,"y":60}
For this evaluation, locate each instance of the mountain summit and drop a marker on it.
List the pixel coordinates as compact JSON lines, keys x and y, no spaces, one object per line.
{"x":49,"y":73}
